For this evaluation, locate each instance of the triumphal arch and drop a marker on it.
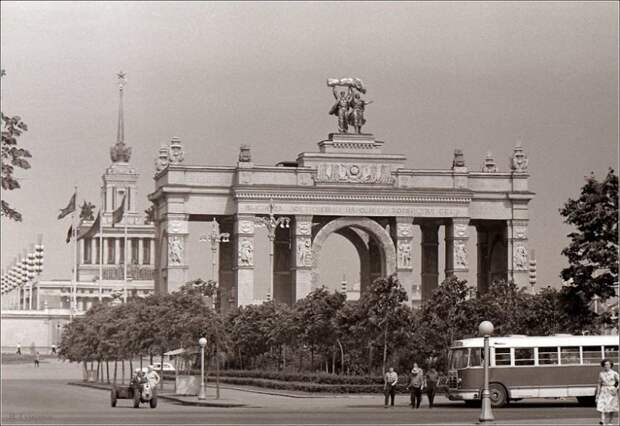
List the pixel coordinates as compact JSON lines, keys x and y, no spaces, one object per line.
{"x":351,"y":186}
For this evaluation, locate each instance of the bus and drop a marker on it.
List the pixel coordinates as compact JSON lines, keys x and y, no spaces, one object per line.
{"x":557,"y":366}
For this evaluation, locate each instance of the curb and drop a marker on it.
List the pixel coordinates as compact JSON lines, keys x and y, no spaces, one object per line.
{"x":202,"y":403}
{"x":167,"y":397}
{"x":274,"y":392}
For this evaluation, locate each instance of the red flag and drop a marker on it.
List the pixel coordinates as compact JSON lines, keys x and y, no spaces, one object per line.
{"x":69,"y":234}
{"x":117,"y":215}
{"x":69,"y":209}
{"x":94,"y":228}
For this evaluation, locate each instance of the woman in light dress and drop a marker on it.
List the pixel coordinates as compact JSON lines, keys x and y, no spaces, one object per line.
{"x":607,"y":393}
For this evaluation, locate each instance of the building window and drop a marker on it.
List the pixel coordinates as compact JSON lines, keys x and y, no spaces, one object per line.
{"x":98,"y":251}
{"x":111,"y":251}
{"x":122,"y":252}
{"x":146,"y":251}
{"x":88,"y":255}
{"x":128,"y":206}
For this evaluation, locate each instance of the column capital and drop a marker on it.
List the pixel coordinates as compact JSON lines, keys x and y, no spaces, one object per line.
{"x":303,"y":225}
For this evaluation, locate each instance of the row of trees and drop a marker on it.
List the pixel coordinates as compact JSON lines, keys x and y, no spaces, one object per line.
{"x":323,"y":331}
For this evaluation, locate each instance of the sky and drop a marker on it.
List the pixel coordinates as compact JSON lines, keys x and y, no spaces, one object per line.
{"x":442,"y":75}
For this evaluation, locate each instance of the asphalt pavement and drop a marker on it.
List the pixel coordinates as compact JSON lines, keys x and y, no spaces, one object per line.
{"x":43,"y":396}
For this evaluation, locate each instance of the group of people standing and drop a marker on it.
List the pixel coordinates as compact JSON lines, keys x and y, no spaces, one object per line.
{"x":419,"y":383}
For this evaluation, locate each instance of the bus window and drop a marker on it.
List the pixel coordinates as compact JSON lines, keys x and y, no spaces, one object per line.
{"x":459,"y":358}
{"x":592,"y":354}
{"x":475,"y":357}
{"x":502,"y":356}
{"x":569,"y":355}
{"x":524,"y":356}
{"x":611,"y":353}
{"x":548,"y":356}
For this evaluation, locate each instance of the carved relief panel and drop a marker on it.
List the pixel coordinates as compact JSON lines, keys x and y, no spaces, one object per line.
{"x":520,"y":261}
{"x":354,"y":173}
{"x":404,"y":255}
{"x":175,"y":250}
{"x":246,"y":252}
{"x":304,"y":252}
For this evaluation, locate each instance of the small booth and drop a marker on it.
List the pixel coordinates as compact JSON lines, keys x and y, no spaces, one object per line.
{"x":184,"y":361}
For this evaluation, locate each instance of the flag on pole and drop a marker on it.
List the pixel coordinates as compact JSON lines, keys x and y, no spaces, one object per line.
{"x":69,"y":234}
{"x":94,"y":228}
{"x":117,"y":215}
{"x":69,"y":209}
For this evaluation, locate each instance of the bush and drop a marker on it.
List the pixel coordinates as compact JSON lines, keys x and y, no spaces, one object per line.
{"x":300,"y":386}
{"x":315,"y":378}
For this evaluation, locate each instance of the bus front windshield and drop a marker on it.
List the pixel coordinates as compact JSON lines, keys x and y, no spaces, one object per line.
{"x":459,"y":358}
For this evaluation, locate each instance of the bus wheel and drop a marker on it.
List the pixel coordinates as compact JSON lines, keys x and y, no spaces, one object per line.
{"x":499,"y":396}
{"x":586,"y":401}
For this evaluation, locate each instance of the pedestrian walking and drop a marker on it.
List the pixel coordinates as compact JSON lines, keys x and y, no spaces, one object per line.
{"x":36,"y":359}
{"x":53,"y":349}
{"x":430,"y":384}
{"x":416,"y":383}
{"x":607,"y":393}
{"x":389,"y":386}
{"x":19,"y":349}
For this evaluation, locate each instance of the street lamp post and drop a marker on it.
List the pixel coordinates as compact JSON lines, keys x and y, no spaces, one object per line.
{"x":202,"y":342}
{"x":486,"y":414}
{"x":215,"y":238}
{"x":272,"y":223}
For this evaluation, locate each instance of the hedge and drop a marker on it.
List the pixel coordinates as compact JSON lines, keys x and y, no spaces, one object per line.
{"x":316,"y":378}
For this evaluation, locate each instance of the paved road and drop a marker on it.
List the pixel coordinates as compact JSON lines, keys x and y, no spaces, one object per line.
{"x":37,"y":396}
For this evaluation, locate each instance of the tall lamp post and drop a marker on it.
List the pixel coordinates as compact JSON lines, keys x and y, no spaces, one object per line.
{"x":272,"y":223}
{"x":215,"y":238}
{"x":485,"y":329}
{"x":202,"y":342}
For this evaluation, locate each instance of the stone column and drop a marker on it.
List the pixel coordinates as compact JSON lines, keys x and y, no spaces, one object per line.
{"x":117,"y":251}
{"x":518,"y":256}
{"x":140,"y":251}
{"x":456,"y":247}
{"x":93,"y":250}
{"x":244,"y":259}
{"x":104,"y":252}
{"x":430,"y":259}
{"x":175,"y":245}
{"x":302,"y":261}
{"x":152,"y":251}
{"x":377,"y":270}
{"x":404,"y":258}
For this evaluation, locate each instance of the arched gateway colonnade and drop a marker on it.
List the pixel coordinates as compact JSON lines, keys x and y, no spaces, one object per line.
{"x":349,"y":187}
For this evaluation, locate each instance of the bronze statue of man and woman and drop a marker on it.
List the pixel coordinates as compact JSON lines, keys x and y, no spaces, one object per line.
{"x":349,"y":106}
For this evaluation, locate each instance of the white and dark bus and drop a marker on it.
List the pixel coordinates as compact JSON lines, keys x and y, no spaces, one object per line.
{"x":556,"y":366}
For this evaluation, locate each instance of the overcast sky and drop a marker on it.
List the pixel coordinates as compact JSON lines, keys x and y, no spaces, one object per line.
{"x":474,"y":76}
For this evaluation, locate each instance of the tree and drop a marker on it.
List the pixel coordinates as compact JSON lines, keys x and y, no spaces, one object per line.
{"x":12,"y":156}
{"x":593,"y":251}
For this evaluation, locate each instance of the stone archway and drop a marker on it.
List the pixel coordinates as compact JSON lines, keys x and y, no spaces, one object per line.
{"x":375,"y":232}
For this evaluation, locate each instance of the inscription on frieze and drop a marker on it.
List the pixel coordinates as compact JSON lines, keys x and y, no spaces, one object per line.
{"x":350,"y":210}
{"x":354,"y":173}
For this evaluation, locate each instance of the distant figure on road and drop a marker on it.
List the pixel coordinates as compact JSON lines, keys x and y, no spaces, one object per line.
{"x":607,"y":393}
{"x":430,"y":383}
{"x":19,"y":349}
{"x":54,"y":349}
{"x":389,"y":386}
{"x":416,"y":383}
{"x":152,"y":377}
{"x":36,"y":359}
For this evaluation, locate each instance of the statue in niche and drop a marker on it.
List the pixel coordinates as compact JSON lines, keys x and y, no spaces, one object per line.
{"x":246,"y":253}
{"x":520,"y":258}
{"x":175,"y":250}
{"x":304,"y":253}
{"x":404,"y":254}
{"x":460,"y":255}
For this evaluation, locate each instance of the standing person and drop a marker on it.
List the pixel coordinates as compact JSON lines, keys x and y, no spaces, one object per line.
{"x":607,"y":393}
{"x":54,"y":349}
{"x":19,"y":349}
{"x":389,"y":386}
{"x":416,"y":383}
{"x":152,"y":377}
{"x":430,"y":383}
{"x":36,"y":359}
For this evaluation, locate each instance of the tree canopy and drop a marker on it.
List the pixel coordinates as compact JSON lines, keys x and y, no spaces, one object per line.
{"x":12,"y":156}
{"x":593,"y":250}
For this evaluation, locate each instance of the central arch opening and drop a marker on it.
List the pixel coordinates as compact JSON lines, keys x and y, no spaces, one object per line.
{"x":340,"y":261}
